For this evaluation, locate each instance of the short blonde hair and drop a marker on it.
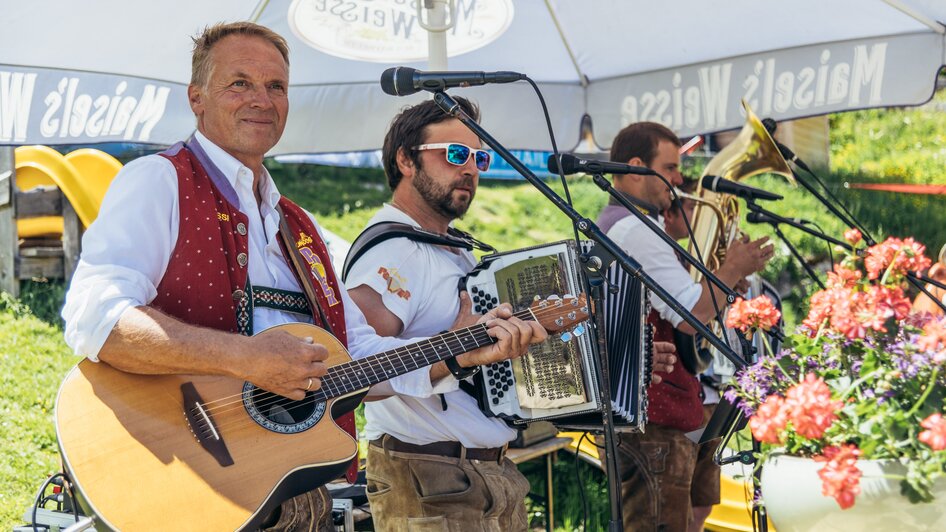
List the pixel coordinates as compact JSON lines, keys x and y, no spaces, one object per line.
{"x":204,"y":43}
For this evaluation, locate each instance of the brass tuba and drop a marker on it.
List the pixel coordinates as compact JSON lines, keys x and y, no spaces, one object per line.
{"x":716,"y":216}
{"x":716,"y":222}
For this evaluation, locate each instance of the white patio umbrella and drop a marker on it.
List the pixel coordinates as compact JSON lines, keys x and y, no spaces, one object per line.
{"x":107,"y":70}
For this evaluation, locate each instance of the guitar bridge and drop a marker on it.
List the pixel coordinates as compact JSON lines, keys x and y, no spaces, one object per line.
{"x":202,"y":425}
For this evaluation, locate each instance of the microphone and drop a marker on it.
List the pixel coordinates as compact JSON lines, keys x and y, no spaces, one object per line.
{"x":725,"y":186}
{"x":573,"y":165}
{"x":403,"y":81}
{"x":771,"y":125}
{"x":756,"y":217}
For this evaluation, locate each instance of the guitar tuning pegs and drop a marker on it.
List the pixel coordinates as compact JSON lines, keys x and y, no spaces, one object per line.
{"x":559,"y":321}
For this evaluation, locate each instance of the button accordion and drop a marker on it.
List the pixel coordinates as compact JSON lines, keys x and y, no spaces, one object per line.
{"x":557,"y":380}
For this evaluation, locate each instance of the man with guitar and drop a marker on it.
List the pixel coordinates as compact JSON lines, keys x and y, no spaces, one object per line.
{"x":657,"y":467}
{"x":195,"y":245}
{"x":434,"y":459}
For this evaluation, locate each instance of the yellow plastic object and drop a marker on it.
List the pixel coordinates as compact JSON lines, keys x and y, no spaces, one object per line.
{"x":97,"y":169}
{"x":734,"y":511}
{"x":732,"y":514}
{"x":83,"y":176}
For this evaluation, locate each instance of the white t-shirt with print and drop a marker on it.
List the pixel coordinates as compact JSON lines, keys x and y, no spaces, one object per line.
{"x":418,"y":284}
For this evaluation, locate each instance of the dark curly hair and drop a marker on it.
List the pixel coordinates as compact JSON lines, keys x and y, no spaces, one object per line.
{"x":408,"y":129}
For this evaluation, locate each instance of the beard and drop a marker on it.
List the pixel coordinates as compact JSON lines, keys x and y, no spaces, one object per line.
{"x":440,"y":196}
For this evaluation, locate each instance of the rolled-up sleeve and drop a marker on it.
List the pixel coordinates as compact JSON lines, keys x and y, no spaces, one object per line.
{"x":363,"y":342}
{"x":125,"y":253}
{"x":660,"y":263}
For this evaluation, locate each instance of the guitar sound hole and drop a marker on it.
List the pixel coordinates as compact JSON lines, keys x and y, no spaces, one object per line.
{"x":279,"y":414}
{"x":282,"y":410}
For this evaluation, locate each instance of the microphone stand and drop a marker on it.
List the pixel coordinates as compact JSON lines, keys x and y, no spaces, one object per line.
{"x":608,"y":253}
{"x":849,"y":220}
{"x":766,"y":216}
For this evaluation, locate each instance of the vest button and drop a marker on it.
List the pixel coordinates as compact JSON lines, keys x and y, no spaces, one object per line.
{"x":238,"y":295}
{"x":241,"y":258}
{"x":241,"y":228}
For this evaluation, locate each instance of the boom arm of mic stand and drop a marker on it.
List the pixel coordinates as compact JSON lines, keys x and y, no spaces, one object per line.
{"x":912,"y":278}
{"x":588,"y":228}
{"x":604,"y":185}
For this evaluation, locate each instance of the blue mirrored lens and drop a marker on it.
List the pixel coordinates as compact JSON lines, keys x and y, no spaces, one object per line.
{"x":457,"y":154}
{"x":482,"y":160}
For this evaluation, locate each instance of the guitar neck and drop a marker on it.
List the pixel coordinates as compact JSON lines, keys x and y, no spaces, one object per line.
{"x":364,"y":372}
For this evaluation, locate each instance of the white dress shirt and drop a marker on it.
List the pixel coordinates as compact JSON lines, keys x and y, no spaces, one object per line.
{"x":659,"y":262}
{"x":126,"y":251}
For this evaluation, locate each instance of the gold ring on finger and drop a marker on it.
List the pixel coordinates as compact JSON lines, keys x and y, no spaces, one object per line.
{"x":309,"y":385}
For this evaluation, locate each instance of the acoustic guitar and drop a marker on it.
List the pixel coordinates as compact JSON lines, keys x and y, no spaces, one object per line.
{"x":188,"y":452}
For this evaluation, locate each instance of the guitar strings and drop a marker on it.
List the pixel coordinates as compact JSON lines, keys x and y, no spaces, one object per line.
{"x":367,"y":363}
{"x":477,"y":333}
{"x":336,"y":389}
{"x":362,"y":379}
{"x":423,"y":346}
{"x":320,"y":395}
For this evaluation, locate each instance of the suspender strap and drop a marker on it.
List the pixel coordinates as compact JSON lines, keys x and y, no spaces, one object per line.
{"x":382,"y":231}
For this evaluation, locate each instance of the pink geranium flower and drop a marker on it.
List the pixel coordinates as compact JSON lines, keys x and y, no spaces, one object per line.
{"x":756,"y":313}
{"x":935,"y":433}
{"x":899,"y":256}
{"x":769,"y":420}
{"x":840,"y":476}
{"x":810,"y":408}
{"x":853,"y":236}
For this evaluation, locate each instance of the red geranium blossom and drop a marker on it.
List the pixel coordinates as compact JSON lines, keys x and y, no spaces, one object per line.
{"x":840,"y":476}
{"x":899,"y":256}
{"x":935,"y":435}
{"x":769,"y":420}
{"x":853,"y":236}
{"x":810,"y":408}
{"x":756,"y":313}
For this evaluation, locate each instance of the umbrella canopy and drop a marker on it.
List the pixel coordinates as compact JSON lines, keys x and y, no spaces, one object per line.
{"x":106,"y":70}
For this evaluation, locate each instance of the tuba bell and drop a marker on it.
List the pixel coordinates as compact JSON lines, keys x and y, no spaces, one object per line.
{"x":716,"y":216}
{"x":715,"y":222}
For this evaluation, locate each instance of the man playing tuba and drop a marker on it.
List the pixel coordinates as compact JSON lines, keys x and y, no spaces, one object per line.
{"x":657,"y":467}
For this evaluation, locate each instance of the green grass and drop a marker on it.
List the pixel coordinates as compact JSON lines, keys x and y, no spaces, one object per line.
{"x":33,"y":361}
{"x":900,"y":145}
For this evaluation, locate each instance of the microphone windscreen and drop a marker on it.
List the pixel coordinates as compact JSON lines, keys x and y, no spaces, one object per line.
{"x":398,"y":81}
{"x":770,"y":125}
{"x":568,"y":163}
{"x":387,"y":81}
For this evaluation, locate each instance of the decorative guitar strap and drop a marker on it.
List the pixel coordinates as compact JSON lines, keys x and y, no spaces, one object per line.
{"x":301,"y":270}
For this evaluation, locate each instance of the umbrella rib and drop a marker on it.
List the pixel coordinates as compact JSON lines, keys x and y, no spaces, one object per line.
{"x":571,"y":55}
{"x":258,"y":10}
{"x":917,"y":16}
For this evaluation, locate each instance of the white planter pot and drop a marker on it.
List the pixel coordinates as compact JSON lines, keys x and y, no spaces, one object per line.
{"x":791,"y":489}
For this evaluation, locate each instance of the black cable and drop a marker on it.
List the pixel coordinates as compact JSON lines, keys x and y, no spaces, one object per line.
{"x":561,"y":171}
{"x":851,"y":219}
{"x":67,"y":482}
{"x":39,"y":500}
{"x":699,"y":257}
{"x":830,"y":252}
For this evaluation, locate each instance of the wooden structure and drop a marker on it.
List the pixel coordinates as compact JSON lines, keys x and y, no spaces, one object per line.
{"x":44,"y":257}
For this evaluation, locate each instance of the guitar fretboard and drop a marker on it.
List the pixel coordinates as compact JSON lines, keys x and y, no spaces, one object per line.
{"x":364,"y":372}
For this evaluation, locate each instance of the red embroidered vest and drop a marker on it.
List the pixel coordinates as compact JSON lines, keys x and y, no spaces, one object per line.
{"x":675,"y":401}
{"x":207,"y":272}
